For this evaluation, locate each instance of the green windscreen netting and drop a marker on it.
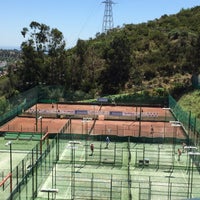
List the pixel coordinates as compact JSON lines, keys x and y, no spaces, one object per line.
{"x":190,"y":122}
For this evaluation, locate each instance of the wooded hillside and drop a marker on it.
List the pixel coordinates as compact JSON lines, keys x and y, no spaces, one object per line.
{"x":158,"y":57}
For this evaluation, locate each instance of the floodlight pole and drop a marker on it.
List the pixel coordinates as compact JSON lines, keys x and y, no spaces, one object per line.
{"x":174,"y":125}
{"x":189,"y":128}
{"x":94,"y":113}
{"x":195,"y":138}
{"x":9,"y":143}
{"x":190,"y":176}
{"x":86,"y":144}
{"x":73,"y":171}
{"x":85,"y":125}
{"x":140,"y":122}
{"x":40,"y":118}
{"x":73,"y":161}
{"x":191,"y":179}
{"x":36,"y":118}
{"x":165,"y":119}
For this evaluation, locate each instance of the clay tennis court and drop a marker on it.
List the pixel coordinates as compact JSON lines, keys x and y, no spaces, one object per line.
{"x":126,"y":128}
{"x":98,"y":110}
{"x":96,"y":123}
{"x":25,"y":124}
{"x":105,"y":120}
{"x":71,"y":107}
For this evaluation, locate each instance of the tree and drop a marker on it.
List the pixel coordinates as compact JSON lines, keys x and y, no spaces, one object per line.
{"x":116,"y":73}
{"x":77,"y":62}
{"x":43,"y":56}
{"x":194,"y":56}
{"x":57,"y":55}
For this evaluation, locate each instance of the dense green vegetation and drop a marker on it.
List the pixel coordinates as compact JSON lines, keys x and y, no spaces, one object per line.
{"x":190,"y":102}
{"x":11,"y":55}
{"x":156,"y":57}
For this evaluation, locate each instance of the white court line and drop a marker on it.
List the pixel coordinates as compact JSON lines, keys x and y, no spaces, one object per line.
{"x":68,"y":193}
{"x":62,"y":155}
{"x":132,"y":124}
{"x":82,"y":155}
{"x":48,"y":181}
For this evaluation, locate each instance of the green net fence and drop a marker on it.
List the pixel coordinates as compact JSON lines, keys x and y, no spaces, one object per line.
{"x":189,"y":122}
{"x":29,"y":174}
{"x":18,"y":104}
{"x":124,"y":171}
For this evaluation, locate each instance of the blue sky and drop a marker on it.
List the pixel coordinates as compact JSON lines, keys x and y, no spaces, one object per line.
{"x":78,"y":18}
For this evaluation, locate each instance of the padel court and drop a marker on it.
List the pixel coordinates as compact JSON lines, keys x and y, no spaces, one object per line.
{"x":55,"y":160}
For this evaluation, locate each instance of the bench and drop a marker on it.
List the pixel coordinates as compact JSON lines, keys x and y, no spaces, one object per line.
{"x":144,"y":162}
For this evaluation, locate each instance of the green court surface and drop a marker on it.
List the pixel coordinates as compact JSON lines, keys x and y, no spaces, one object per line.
{"x":19,"y":148}
{"x":125,"y":170}
{"x":62,"y":167}
{"x":112,"y":174}
{"x":12,"y":152}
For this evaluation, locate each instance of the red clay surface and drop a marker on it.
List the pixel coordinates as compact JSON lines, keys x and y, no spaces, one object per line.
{"x":23,"y":124}
{"x":102,"y":127}
{"x":127,"y":128}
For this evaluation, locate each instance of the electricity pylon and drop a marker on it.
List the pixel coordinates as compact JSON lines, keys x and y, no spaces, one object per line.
{"x":108,"y":16}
